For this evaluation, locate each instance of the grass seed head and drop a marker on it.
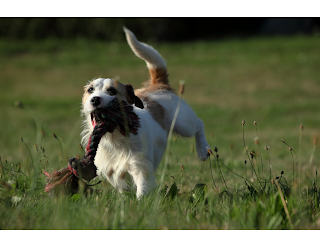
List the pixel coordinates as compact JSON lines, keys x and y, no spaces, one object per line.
{"x":252,"y":153}
{"x":243,"y":122}
{"x":282,"y":141}
{"x":43,"y":134}
{"x":182,"y":167}
{"x":267,"y":148}
{"x":315,"y":141}
{"x":272,"y":181}
{"x":181,"y":88}
{"x":282,"y":172}
{"x":21,"y":138}
{"x":301,"y":127}
{"x":290,"y":148}
{"x":19,"y":104}
{"x":215,"y":149}
{"x":255,"y":123}
{"x":54,"y":135}
{"x":256,"y":140}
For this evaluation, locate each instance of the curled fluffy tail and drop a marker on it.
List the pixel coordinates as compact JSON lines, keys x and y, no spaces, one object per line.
{"x":155,"y":63}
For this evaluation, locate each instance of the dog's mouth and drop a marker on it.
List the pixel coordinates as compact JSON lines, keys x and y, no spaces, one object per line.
{"x":112,"y":117}
{"x":93,"y":120}
{"x":96,"y":117}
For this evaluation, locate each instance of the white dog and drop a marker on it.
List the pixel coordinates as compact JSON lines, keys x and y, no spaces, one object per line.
{"x":155,"y":104}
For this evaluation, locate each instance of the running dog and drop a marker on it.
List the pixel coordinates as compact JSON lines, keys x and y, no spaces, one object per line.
{"x":155,"y":104}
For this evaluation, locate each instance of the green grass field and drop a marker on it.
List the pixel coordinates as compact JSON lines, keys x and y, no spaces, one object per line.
{"x":273,"y":81}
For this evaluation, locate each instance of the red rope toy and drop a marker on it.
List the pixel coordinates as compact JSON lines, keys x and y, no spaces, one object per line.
{"x":118,"y":114}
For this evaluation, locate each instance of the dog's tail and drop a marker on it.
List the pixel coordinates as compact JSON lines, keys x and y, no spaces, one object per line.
{"x":155,"y":63}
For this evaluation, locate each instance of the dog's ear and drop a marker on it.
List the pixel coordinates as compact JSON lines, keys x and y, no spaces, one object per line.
{"x":132,"y":98}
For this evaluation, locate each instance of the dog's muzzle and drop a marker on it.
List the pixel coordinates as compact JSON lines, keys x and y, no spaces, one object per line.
{"x":95,"y":101}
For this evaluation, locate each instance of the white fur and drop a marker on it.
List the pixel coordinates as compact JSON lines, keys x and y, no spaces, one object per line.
{"x":146,"y":52}
{"x":140,"y":155}
{"x":187,"y":123}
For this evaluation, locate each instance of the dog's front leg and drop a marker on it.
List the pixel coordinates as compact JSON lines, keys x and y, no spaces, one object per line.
{"x":142,"y":177}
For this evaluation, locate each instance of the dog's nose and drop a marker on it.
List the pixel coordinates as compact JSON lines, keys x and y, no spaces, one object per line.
{"x":95,"y":101}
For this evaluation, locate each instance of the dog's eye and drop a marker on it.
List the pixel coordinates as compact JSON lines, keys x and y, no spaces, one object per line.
{"x":112,"y":91}
{"x":90,"y":90}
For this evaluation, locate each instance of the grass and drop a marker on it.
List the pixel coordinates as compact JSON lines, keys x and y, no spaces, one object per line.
{"x":273,"y":81}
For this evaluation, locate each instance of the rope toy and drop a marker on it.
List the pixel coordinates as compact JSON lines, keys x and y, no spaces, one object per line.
{"x":117,"y":114}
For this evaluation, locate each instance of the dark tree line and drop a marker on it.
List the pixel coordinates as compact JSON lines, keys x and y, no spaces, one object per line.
{"x":159,"y":29}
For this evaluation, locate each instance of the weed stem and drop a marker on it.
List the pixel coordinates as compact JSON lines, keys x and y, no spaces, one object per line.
{"x":255,"y":124}
{"x":221,"y":172}
{"x":244,"y":144}
{"x":168,"y":143}
{"x":212,"y":175}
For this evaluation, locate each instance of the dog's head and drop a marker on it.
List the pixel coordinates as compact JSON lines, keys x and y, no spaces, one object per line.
{"x":98,"y":93}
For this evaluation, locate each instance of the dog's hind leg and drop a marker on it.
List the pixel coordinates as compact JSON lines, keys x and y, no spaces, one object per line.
{"x":201,"y":142}
{"x":189,"y":125}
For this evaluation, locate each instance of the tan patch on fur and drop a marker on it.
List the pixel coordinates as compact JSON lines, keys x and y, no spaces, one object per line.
{"x":155,"y":110}
{"x":149,"y":88}
{"x":86,"y":94}
{"x":158,"y":81}
{"x":122,"y":175}
{"x":158,"y":76}
{"x":110,"y":173}
{"x":121,"y":89}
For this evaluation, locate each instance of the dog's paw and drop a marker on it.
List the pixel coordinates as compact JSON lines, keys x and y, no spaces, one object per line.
{"x":203,"y":153}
